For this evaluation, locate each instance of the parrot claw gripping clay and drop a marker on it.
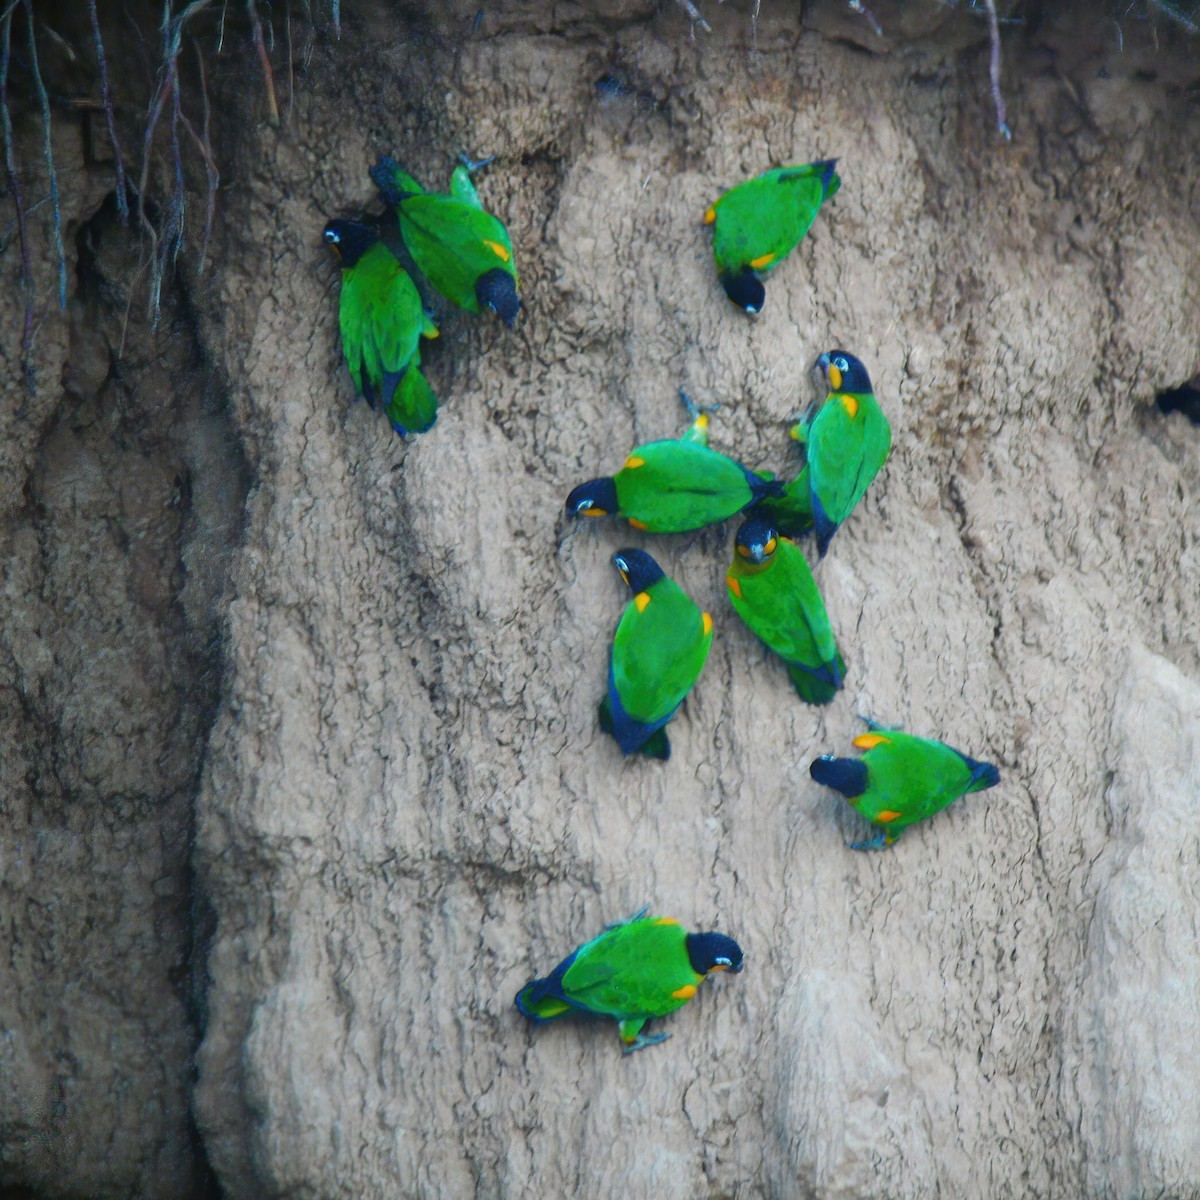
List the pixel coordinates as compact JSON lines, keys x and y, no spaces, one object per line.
{"x":658,"y":652}
{"x":675,"y":485}
{"x":758,"y":223}
{"x":900,"y":780}
{"x":846,"y":442}
{"x":462,"y":249}
{"x":382,"y":321}
{"x":633,"y":972}
{"x":773,"y":591}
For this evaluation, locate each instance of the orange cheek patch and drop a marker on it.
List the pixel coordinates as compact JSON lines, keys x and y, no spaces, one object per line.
{"x":685,"y":993}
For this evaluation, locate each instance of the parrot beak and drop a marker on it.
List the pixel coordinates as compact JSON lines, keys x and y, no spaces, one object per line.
{"x":833,"y":377}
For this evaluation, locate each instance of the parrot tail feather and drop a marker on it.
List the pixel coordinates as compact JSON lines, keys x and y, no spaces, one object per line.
{"x":409,"y":401}
{"x":394,"y":183}
{"x":542,"y":999}
{"x":983,"y":775}
{"x":824,"y":526}
{"x":818,"y":685}
{"x":845,"y":775}
{"x":761,"y":488}
{"x":657,"y":745}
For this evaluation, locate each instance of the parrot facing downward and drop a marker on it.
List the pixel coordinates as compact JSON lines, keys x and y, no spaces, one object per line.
{"x":382,"y":322}
{"x":901,"y":779}
{"x":773,"y":591}
{"x":643,"y":968}
{"x":758,"y":223}
{"x":674,"y":485}
{"x":658,"y":652}
{"x":461,"y":248}
{"x":847,"y":441}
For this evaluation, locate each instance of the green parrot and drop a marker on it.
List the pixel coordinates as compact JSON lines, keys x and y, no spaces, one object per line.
{"x":773,"y":591}
{"x":901,"y":779}
{"x":464,"y":251}
{"x":675,"y":485}
{"x":642,"y":968}
{"x":658,"y":652}
{"x":758,"y":223}
{"x":846,"y":441}
{"x":382,"y":322}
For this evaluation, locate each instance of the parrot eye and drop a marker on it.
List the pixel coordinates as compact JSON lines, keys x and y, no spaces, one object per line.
{"x":841,"y":364}
{"x":332,"y":236}
{"x":583,"y":506}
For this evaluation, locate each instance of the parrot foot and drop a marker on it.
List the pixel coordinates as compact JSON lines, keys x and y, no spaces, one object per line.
{"x":474,"y":165}
{"x":643,"y":1040}
{"x":881,"y":841}
{"x":875,"y":726}
{"x":637,"y":916}
{"x":695,"y":410}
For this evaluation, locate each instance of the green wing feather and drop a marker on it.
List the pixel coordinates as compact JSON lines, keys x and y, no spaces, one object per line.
{"x":381,"y":321}
{"x":412,"y":407}
{"x":845,"y":452}
{"x":659,"y":652}
{"x":453,"y":243}
{"x":915,"y":777}
{"x":631,"y":971}
{"x":680,"y":486}
{"x":765,"y":217}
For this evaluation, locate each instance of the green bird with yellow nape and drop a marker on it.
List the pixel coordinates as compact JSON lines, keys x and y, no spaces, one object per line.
{"x":659,"y":649}
{"x":643,"y":968}
{"x":846,"y":442}
{"x":901,"y":779}
{"x":462,"y":249}
{"x":758,"y":223}
{"x":382,"y":322}
{"x":675,"y":485}
{"x":773,"y":591}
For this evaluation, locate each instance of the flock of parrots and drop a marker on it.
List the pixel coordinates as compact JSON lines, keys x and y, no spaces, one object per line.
{"x":649,"y":966}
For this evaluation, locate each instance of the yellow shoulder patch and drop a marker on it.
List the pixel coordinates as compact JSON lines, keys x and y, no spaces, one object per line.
{"x":850,"y":405}
{"x":706,"y":622}
{"x":868,"y":741}
{"x":732,"y":584}
{"x":666,"y":921}
{"x":501,"y":252}
{"x":633,"y":462}
{"x":637,"y":524}
{"x":685,"y":993}
{"x":885,"y":816}
{"x":642,"y":600}
{"x":763,"y":260}
{"x":710,"y":215}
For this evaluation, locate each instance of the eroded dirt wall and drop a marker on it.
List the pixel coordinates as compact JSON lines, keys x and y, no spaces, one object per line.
{"x":408,"y":807}
{"x":405,"y":808}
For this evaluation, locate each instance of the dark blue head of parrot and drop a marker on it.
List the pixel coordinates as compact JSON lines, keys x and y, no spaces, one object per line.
{"x":846,"y":775}
{"x":596,"y":498}
{"x":496,"y":289}
{"x":350,"y":240}
{"x":713,"y":952}
{"x":638,"y":569}
{"x":745,"y":289}
{"x":844,"y":372}
{"x":756,"y":541}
